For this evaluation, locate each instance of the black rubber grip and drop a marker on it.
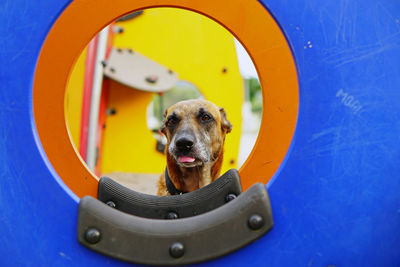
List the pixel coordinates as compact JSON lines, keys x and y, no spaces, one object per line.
{"x":174,"y":242}
{"x":212,"y":196}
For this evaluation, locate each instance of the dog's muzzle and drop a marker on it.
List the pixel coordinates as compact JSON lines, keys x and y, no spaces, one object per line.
{"x":184,"y":144}
{"x":187,"y":150}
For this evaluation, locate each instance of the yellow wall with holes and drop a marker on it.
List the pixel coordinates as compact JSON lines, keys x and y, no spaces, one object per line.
{"x":73,"y":99}
{"x":195,"y":47}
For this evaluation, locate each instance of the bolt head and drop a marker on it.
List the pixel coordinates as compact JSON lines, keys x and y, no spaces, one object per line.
{"x":111,"y":204}
{"x":177,"y":250}
{"x":230,"y":197}
{"x":171,"y":215}
{"x":151,"y":79}
{"x":255,"y":222}
{"x":92,"y":235}
{"x":111,"y":111}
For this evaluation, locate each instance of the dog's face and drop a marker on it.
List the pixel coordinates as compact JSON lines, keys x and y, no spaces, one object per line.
{"x":195,"y":131}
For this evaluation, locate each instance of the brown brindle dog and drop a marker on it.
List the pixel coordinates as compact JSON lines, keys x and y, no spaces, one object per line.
{"x":195,"y":131}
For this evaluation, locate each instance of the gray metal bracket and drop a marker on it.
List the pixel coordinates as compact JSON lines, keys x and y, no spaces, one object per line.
{"x":137,"y":71}
{"x":212,"y":196}
{"x":174,"y":242}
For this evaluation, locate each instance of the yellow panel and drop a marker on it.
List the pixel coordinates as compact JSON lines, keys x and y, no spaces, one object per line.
{"x":128,"y":143}
{"x":201,"y":52}
{"x":73,"y":102}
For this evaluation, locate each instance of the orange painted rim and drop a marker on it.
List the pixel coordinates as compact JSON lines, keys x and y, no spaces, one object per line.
{"x":247,"y":20}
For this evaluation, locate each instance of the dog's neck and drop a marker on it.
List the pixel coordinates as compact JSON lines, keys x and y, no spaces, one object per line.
{"x":195,"y":178}
{"x":191,"y":179}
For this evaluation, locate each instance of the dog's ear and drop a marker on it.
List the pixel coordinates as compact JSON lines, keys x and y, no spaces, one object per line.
{"x":225,"y":124}
{"x":162,"y":128}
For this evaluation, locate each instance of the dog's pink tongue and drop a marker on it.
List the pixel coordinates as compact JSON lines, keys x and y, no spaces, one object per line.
{"x":186,"y":159}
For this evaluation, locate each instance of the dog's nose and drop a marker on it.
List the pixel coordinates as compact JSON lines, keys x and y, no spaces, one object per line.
{"x":185,"y":143}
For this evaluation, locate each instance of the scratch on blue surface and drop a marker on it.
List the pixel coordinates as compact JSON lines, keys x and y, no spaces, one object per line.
{"x":358,"y":53}
{"x":349,"y":26}
{"x":343,"y":21}
{"x":27,"y":46}
{"x":322,"y":133}
{"x":63,"y":255}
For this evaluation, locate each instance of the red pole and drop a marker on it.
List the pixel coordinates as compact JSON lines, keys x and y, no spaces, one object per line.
{"x":87,"y":92}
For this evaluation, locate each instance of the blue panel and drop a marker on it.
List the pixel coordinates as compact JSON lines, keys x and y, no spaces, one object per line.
{"x":336,"y":200}
{"x":37,"y":213}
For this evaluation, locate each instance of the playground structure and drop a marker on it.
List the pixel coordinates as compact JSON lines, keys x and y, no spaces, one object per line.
{"x":206,"y":58}
{"x":328,"y":143}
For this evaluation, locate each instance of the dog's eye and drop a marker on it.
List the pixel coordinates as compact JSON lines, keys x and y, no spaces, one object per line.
{"x":205,"y":117}
{"x":172,"y":121}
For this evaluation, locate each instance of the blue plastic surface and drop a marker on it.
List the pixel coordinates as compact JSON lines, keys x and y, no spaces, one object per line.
{"x":335,"y":199}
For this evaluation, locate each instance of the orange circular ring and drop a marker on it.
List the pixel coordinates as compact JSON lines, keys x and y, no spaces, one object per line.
{"x":247,"y":20}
